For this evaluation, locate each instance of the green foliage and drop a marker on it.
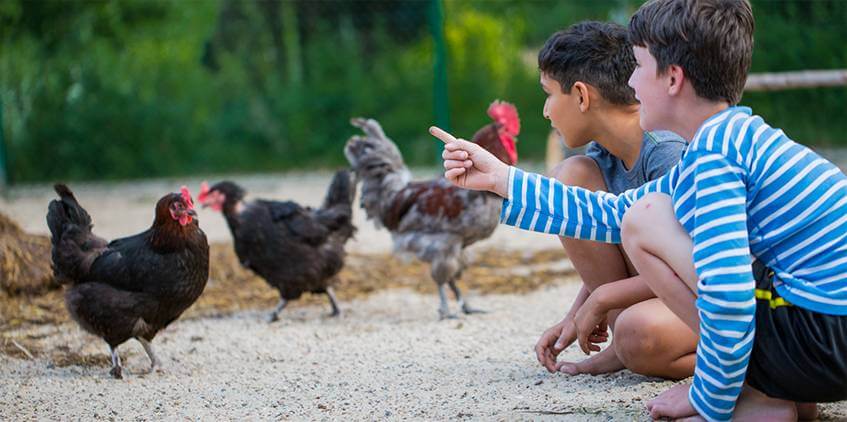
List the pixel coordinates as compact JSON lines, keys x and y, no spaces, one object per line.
{"x":102,"y":89}
{"x":798,"y":35}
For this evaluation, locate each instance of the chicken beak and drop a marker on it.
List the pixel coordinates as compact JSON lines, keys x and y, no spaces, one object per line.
{"x":193,"y":213}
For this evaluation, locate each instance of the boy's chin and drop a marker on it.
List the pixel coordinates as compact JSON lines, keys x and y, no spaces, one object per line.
{"x":576,"y":145}
{"x":646,"y":123}
{"x":573,"y":144}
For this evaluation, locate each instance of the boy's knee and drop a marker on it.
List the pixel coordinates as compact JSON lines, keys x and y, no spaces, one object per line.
{"x":645,"y":213}
{"x":635,"y":341}
{"x":579,"y":170}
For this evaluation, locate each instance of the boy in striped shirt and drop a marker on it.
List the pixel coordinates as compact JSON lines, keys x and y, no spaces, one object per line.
{"x":755,"y":259}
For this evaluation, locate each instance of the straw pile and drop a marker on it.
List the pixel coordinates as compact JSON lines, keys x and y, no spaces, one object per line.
{"x":24,"y":261}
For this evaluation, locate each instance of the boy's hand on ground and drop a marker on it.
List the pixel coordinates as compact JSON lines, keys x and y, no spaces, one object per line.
{"x":553,"y":341}
{"x":591,"y":327}
{"x":470,"y":166}
{"x":672,"y":404}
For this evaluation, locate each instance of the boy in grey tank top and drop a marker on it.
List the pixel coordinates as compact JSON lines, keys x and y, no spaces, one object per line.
{"x":584,"y":72}
{"x":660,"y":151}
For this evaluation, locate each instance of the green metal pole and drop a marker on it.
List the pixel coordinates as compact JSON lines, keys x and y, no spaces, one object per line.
{"x":4,"y":180}
{"x":441,"y":105}
{"x":291,"y":38}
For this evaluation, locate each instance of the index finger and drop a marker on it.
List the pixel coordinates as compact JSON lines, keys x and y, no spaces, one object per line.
{"x":442,"y":134}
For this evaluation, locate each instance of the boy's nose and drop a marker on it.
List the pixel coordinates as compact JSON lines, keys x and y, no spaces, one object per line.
{"x":544,"y":112}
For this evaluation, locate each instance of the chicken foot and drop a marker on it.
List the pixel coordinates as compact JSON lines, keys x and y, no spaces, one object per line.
{"x":116,"y":371}
{"x":275,"y":313}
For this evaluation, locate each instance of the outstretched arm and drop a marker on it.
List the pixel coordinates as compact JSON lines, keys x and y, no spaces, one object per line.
{"x":537,"y":203}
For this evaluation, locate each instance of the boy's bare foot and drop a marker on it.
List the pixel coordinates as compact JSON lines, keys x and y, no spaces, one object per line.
{"x":807,"y":411}
{"x":753,"y":405}
{"x":602,"y":363}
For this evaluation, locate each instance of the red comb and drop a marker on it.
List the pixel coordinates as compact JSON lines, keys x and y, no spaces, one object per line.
{"x":204,"y":192}
{"x":506,"y":115}
{"x":186,"y":196}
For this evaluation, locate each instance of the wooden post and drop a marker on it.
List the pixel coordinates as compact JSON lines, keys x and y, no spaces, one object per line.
{"x":555,"y":150}
{"x":793,"y":80}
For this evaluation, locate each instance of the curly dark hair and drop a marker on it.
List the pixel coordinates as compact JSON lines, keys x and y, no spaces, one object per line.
{"x":595,"y":53}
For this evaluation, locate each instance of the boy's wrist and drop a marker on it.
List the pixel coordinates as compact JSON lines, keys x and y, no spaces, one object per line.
{"x":501,"y":181}
{"x":600,"y":298}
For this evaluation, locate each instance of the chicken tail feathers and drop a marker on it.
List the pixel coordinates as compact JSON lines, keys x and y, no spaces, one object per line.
{"x":74,"y":246}
{"x":341,"y":191}
{"x":337,"y":210}
{"x":64,"y":212}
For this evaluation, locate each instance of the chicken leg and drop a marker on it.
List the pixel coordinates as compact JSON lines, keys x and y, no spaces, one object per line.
{"x":333,"y":301}
{"x":116,"y":363}
{"x":275,"y":313}
{"x":445,"y":271}
{"x":466,"y":309}
{"x":155,"y":363}
{"x":444,"y":308}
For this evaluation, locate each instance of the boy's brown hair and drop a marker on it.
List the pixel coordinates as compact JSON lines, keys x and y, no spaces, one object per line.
{"x":596,"y":53}
{"x":711,"y":40}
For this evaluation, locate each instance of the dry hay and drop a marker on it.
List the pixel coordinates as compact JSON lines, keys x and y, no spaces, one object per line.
{"x":25,"y":318}
{"x":232,"y":288}
{"x":24,"y":261}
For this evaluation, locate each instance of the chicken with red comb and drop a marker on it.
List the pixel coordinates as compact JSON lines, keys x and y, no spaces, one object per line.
{"x":431,"y":219}
{"x":131,"y":287}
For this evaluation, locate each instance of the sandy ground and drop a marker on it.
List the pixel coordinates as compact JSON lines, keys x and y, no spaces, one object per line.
{"x":387,"y":357}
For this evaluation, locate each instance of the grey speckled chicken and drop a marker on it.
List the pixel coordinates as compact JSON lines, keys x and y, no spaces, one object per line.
{"x":432,"y":219}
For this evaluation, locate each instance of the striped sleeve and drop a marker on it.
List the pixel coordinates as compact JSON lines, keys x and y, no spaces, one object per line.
{"x":712,"y":202}
{"x":545,"y":205}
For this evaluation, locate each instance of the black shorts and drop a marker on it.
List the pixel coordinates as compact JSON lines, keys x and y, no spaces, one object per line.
{"x":798,"y":354}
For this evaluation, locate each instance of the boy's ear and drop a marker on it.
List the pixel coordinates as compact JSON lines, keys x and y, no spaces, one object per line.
{"x":580,"y":93}
{"x":675,"y":77}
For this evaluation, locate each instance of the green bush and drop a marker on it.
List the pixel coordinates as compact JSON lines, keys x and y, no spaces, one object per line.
{"x":104,"y":90}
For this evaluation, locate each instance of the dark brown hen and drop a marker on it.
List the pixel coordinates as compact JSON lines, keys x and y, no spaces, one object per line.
{"x":295,"y":249}
{"x":131,"y":287}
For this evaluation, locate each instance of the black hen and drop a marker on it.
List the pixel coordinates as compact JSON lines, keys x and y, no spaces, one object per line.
{"x":131,"y":287}
{"x":295,"y":249}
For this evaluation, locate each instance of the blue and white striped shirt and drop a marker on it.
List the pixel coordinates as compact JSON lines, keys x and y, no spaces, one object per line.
{"x":742,"y":189}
